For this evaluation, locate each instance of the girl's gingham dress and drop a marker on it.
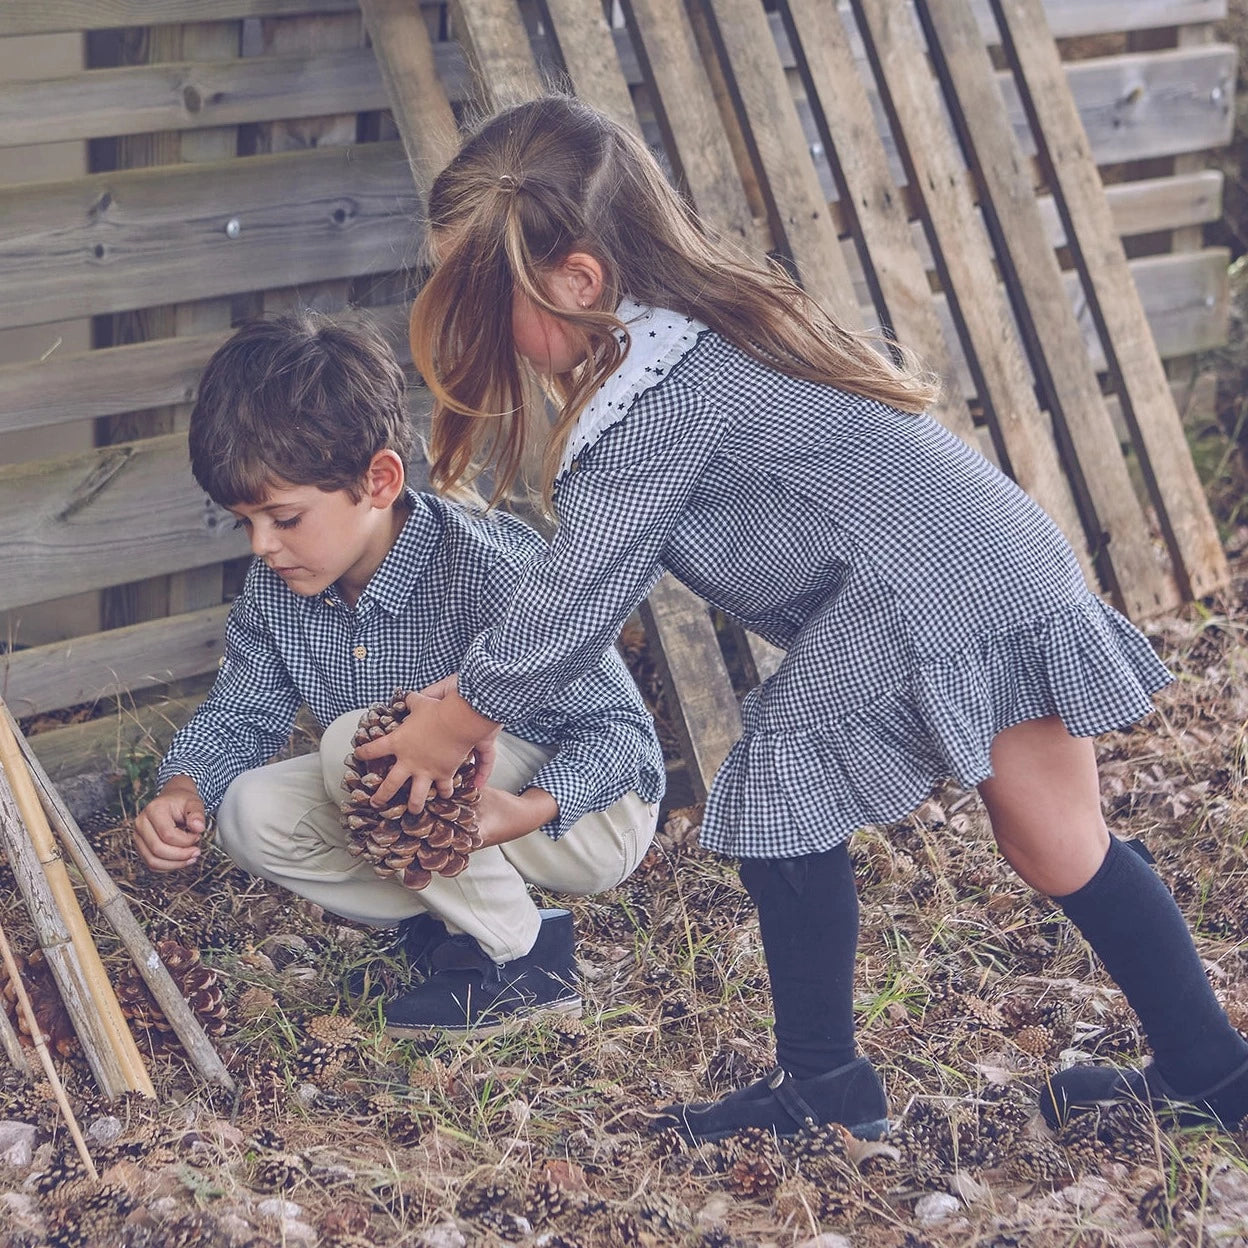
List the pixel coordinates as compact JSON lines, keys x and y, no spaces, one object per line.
{"x":925,"y":601}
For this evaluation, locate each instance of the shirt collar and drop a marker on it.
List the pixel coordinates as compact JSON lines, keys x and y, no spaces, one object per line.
{"x":402,"y":571}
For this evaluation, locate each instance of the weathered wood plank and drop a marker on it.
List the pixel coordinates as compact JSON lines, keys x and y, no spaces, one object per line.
{"x":105,"y":517}
{"x":186,"y":94}
{"x":28,"y":17}
{"x":496,"y":42}
{"x":1113,"y":303}
{"x":114,"y":241}
{"x":89,"y":384}
{"x":1113,"y":515}
{"x":894,"y":270}
{"x":801,"y":224}
{"x":111,"y":664}
{"x":692,"y":667}
{"x":414,"y":93}
{"x":113,"y":740}
{"x":684,"y":105}
{"x":993,"y":354}
{"x":588,"y":53}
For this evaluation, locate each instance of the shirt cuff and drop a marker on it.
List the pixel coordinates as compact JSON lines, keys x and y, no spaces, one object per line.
{"x":211,"y":790}
{"x":575,"y":793}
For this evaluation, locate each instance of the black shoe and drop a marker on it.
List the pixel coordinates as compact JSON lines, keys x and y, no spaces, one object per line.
{"x":407,"y":950}
{"x":851,"y":1095}
{"x":1224,"y":1103}
{"x":467,"y":991}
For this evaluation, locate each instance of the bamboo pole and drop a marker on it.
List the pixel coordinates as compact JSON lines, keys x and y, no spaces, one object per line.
{"x":106,"y":1012}
{"x":41,"y":1047}
{"x":116,"y":910}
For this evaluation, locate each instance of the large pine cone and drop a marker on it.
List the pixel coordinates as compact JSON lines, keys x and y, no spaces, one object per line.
{"x":45,"y":1000}
{"x":200,"y":985}
{"x":410,"y":848}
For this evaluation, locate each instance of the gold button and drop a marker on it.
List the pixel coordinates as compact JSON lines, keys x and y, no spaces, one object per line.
{"x":360,"y":652}
{"x":328,"y":601}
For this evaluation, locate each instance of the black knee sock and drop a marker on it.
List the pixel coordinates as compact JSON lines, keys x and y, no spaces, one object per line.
{"x":1131,"y":921}
{"x":808,"y":915}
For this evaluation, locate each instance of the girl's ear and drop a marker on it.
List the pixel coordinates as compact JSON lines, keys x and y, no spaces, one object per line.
{"x":581,"y":278}
{"x":383,"y":481}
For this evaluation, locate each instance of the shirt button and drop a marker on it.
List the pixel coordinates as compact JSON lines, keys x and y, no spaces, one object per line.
{"x":328,"y":601}
{"x":360,"y":652}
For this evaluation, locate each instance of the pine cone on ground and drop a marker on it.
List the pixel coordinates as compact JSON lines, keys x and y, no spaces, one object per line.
{"x":45,"y":999}
{"x":408,"y":847}
{"x":199,"y":985}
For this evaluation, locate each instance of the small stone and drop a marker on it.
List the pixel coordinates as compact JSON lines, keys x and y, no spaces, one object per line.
{"x":444,"y":1235}
{"x":104,"y":1130}
{"x":308,"y":1094}
{"x":235,"y":1229}
{"x":828,"y":1239}
{"x":296,"y":1233}
{"x":276,"y":1207}
{"x":22,"y":1207}
{"x":17,"y":1144}
{"x":936,"y":1206}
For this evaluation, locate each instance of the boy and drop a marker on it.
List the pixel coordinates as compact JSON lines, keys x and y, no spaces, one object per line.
{"x":361,"y":585}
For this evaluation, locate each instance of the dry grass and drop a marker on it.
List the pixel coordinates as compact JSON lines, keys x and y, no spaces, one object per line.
{"x":970,"y":988}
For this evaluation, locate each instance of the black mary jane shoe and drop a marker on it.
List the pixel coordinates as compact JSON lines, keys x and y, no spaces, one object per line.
{"x":851,"y":1095}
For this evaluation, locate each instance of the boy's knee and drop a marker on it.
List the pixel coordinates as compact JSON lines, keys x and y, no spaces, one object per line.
{"x":236,"y":817}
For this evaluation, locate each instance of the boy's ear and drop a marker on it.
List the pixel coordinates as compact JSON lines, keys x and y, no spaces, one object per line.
{"x":384,"y":478}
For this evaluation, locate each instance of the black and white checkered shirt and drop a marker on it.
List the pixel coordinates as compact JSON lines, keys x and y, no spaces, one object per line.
{"x":448,"y":576}
{"x":925,"y":601}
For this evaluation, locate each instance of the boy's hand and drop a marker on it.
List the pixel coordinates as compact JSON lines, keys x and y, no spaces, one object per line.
{"x":503,"y":816}
{"x":429,"y":745}
{"x":168,"y":828}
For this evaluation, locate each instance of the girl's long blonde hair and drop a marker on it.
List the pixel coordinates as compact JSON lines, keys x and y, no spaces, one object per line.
{"x":553,"y":176}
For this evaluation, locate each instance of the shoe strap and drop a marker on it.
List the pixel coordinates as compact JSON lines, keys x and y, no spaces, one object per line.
{"x":460,"y":953}
{"x":1238,"y":1073}
{"x":790,"y":1100}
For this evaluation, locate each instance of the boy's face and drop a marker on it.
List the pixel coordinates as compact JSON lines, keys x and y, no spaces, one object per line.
{"x":313,"y":538}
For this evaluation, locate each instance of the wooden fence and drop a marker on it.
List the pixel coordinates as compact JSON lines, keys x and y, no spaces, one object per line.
{"x":934,"y":170}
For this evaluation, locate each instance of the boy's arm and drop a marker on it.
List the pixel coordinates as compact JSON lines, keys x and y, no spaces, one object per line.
{"x":247,"y":716}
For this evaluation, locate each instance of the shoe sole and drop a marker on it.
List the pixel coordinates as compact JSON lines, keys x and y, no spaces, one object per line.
{"x":574,"y":1007}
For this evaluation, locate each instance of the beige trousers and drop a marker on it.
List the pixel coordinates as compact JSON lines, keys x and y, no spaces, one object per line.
{"x":282,"y":822}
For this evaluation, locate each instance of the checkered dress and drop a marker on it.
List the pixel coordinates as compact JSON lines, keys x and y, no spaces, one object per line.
{"x":925,"y":601}
{"x":449,"y":575}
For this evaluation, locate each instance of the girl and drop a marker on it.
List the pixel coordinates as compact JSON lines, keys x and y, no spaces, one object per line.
{"x":714,"y":423}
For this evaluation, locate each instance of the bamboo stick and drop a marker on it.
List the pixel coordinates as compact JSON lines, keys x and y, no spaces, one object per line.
{"x":41,"y":1047}
{"x":116,"y":1036}
{"x":112,"y":902}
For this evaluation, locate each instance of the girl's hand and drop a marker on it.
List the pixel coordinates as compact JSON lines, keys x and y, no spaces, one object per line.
{"x":503,"y":816}
{"x":429,"y":746}
{"x":168,"y":829}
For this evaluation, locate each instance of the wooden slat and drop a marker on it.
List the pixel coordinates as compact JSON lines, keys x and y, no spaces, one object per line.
{"x":1147,"y":404}
{"x":994,"y":356}
{"x":104,"y":665}
{"x":692,"y":666}
{"x":112,"y":740}
{"x":587,"y":50}
{"x":106,"y":517}
{"x":85,"y":385}
{"x":684,"y":104}
{"x":28,"y":17}
{"x":801,"y":224}
{"x":496,"y":42}
{"x":894,"y":270}
{"x":113,"y":241}
{"x":1094,"y":463}
{"x":181,"y":95}
{"x":415,"y":94}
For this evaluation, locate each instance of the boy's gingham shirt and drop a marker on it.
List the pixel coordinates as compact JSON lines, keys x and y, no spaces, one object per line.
{"x":925,"y":601}
{"x":448,"y":576}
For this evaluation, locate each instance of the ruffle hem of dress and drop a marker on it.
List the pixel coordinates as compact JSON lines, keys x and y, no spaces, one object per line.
{"x":1085,"y":663}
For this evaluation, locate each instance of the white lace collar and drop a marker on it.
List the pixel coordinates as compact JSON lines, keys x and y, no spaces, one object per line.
{"x":659,"y":338}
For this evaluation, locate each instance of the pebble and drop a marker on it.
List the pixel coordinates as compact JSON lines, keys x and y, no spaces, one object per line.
{"x":828,"y":1239}
{"x":103,"y":1130}
{"x":17,"y":1144}
{"x":22,"y":1207}
{"x":444,"y":1235}
{"x":295,"y":1232}
{"x":936,"y":1206}
{"x":276,"y":1207}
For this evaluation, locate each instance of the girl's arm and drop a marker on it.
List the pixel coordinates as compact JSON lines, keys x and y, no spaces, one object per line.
{"x":571,"y":601}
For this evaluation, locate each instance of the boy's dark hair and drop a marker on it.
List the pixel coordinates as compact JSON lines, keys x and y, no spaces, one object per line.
{"x":299,"y":398}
